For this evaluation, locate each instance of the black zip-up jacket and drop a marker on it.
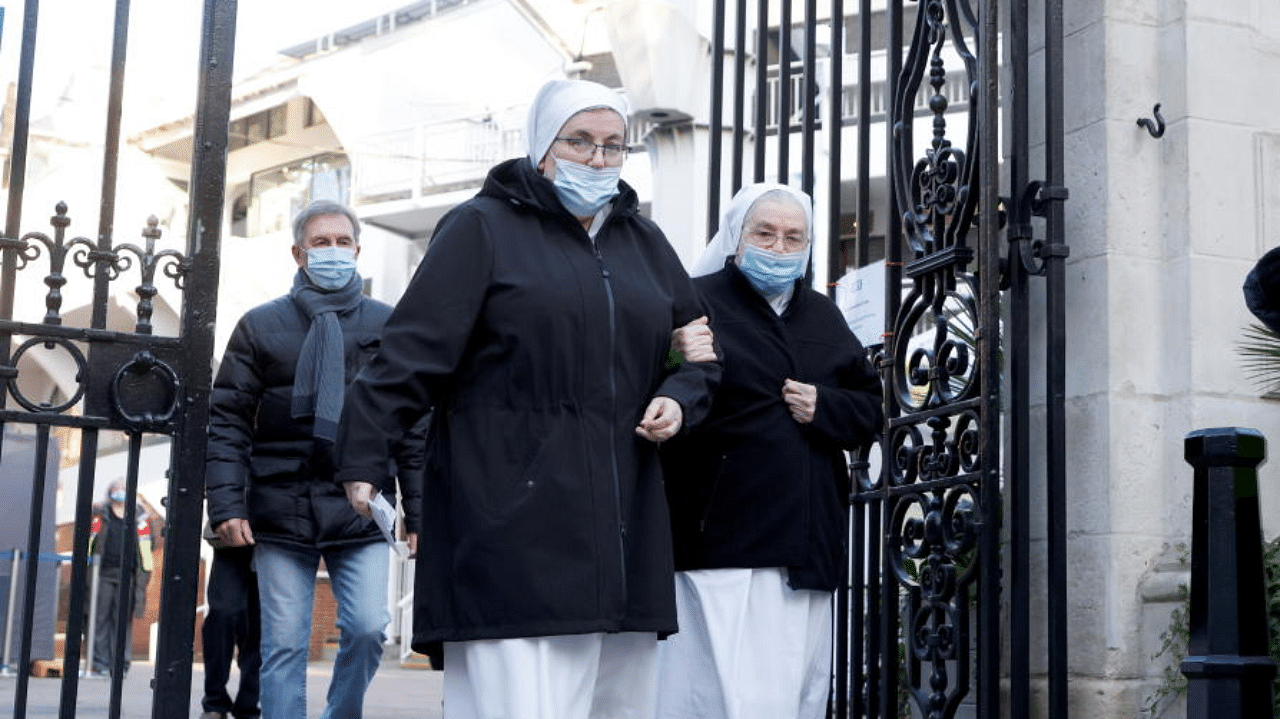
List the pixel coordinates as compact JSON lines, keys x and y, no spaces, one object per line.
{"x":543,"y":510}
{"x":751,"y":486}
{"x":262,"y":464}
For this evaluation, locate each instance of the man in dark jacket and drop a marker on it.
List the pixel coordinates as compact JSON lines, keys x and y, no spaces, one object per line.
{"x":757,"y":492}
{"x":269,"y":479}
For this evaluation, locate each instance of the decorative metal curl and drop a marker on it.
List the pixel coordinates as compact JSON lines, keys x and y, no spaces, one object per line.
{"x":148,"y":261}
{"x":905,"y":442}
{"x":10,"y":375}
{"x":940,"y":369}
{"x":932,"y":537}
{"x":934,"y":190}
{"x":144,"y":363}
{"x":57,"y":247}
{"x":23,"y":251}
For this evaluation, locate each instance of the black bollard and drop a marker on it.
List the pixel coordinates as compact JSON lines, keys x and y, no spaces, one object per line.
{"x":1228,"y":667}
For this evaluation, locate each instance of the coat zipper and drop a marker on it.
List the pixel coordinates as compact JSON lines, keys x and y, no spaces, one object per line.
{"x":613,"y":415}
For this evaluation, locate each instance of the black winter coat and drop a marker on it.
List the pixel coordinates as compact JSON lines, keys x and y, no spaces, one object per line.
{"x":262,"y":464}
{"x":544,"y":512}
{"x":751,"y":486}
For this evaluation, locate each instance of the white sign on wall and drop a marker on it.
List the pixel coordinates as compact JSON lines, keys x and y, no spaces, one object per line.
{"x":860,"y":296}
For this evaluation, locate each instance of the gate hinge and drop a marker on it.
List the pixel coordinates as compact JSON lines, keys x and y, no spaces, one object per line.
{"x":1019,"y":231}
{"x":1046,"y":194}
{"x":1045,"y":251}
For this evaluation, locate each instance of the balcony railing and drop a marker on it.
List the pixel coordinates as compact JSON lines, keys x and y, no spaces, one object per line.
{"x":957,"y":95}
{"x":431,"y":158}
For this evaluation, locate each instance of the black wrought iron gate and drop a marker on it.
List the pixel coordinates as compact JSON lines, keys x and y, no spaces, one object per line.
{"x":132,"y":383}
{"x":940,"y":511}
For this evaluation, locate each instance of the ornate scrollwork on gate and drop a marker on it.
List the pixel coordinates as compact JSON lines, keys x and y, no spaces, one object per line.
{"x":95,"y":261}
{"x":932,"y":537}
{"x":935,"y":458}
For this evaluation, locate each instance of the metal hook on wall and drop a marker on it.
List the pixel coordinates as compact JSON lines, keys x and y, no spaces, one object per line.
{"x":1156,"y":128}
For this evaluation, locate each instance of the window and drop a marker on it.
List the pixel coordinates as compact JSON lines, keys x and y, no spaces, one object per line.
{"x":276,"y":195}
{"x":257,"y":127}
{"x":314,"y":116}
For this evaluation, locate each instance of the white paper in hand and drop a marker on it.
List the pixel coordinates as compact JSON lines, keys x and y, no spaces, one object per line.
{"x":384,"y":515}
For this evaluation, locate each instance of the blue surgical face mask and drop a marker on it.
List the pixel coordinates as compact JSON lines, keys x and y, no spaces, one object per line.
{"x":330,"y":268}
{"x":118,"y":495}
{"x":772,"y":273}
{"x":582,"y":189}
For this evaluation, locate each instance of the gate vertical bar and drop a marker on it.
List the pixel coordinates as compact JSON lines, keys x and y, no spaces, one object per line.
{"x":186,"y":480}
{"x":111,"y":153}
{"x":762,"y":85}
{"x":864,"y":132}
{"x":717,"y":119}
{"x":1056,"y":422}
{"x":881,"y":699}
{"x":1019,"y":235}
{"x":739,"y":104}
{"x":129,"y":555}
{"x":79,"y":581}
{"x":13,"y":220}
{"x":31,"y":574}
{"x":784,"y":92}
{"x":836,"y":120}
{"x":811,"y":100}
{"x":17,"y":181}
{"x":987,"y":96}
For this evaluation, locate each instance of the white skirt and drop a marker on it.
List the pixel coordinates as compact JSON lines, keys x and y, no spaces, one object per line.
{"x":749,"y":647}
{"x":579,"y":676}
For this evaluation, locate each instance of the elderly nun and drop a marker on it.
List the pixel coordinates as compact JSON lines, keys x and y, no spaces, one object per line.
{"x":538,"y":327}
{"x":757,"y":491}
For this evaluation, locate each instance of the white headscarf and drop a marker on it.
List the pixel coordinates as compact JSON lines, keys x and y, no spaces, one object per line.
{"x":729,"y":235}
{"x":559,"y":100}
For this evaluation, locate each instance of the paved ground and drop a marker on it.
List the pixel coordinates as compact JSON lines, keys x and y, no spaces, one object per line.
{"x":396,"y":693}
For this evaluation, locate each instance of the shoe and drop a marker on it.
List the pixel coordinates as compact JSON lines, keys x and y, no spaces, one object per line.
{"x":213,"y":715}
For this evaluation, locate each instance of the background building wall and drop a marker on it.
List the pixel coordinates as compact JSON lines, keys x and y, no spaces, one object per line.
{"x":1162,"y":234}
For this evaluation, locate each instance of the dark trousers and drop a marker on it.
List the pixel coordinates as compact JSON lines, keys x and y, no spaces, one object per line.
{"x":232,"y":627}
{"x":107,"y":609}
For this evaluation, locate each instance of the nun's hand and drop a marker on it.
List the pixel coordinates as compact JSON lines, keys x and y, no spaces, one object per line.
{"x":801,"y":399}
{"x":695,"y":341}
{"x":661,"y":419}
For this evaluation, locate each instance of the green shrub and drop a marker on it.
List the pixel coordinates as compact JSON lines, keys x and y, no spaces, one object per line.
{"x":1173,"y":640}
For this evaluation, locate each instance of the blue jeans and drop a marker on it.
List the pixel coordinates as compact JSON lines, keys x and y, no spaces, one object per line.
{"x":286,"y":591}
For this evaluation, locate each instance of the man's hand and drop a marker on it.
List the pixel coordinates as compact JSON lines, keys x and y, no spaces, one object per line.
{"x":801,"y":399}
{"x":412,"y":538}
{"x":695,"y":341}
{"x":662,"y":419}
{"x":234,"y":532}
{"x":359,"y":494}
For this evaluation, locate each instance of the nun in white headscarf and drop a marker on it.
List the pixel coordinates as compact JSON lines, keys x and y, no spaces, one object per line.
{"x":538,"y":327}
{"x":757,"y":492}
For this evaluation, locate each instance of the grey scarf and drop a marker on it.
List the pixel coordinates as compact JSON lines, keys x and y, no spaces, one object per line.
{"x":319,"y":378}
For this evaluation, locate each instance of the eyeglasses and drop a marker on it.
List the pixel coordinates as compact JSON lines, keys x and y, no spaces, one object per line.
{"x":585,"y":150}
{"x":763,"y":238}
